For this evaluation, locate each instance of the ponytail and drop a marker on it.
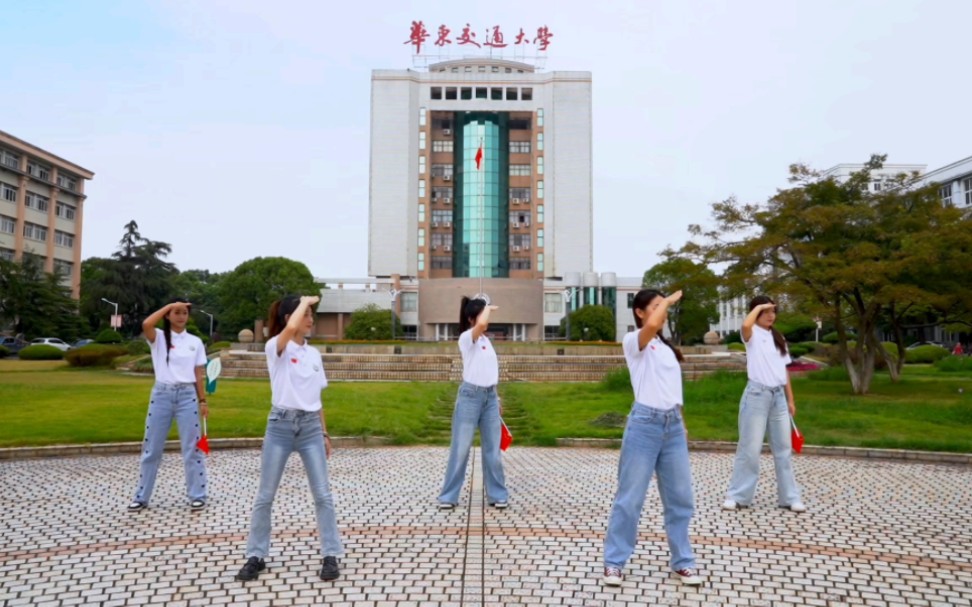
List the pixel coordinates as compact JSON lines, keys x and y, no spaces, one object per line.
{"x":778,"y":340}
{"x":640,"y":302}
{"x":469,"y":310}
{"x":167,"y":327}
{"x":277,"y":315}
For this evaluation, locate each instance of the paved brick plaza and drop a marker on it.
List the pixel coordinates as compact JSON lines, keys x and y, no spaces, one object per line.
{"x":878,"y":533}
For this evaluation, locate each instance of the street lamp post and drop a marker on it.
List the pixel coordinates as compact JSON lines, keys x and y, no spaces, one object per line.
{"x":115,"y":315}
{"x":394,"y":294}
{"x":585,"y":333}
{"x":568,"y":297}
{"x":210,"y":322}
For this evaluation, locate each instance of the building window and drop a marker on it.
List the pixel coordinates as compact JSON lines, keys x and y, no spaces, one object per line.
{"x":451,"y":93}
{"x":422,"y":116}
{"x":421,"y":140}
{"x":945,"y":193}
{"x":519,"y":195}
{"x":520,"y":242}
{"x":6,"y":254}
{"x":421,"y":165}
{"x":519,"y":124}
{"x":421,"y":237}
{"x":421,"y":213}
{"x":539,"y":238}
{"x":511,"y":94}
{"x":539,"y":165}
{"x":481,"y":92}
{"x":409,"y":302}
{"x":440,"y":240}
{"x":10,"y":159}
{"x":519,"y":147}
{"x":465,"y":93}
{"x":526,"y":94}
{"x":877,"y":186}
{"x":37,"y":202}
{"x":441,"y":217}
{"x":441,"y":262}
{"x":421,"y":188}
{"x":421,"y":262}
{"x":35,"y":232}
{"x":39,"y":171}
{"x":63,"y":239}
{"x":630,"y":301}
{"x":8,"y":224}
{"x":65,"y":211}
{"x":496,"y":94}
{"x":520,"y":219}
{"x":540,"y":116}
{"x":63,"y":268}
{"x":539,"y":262}
{"x":442,"y":145}
{"x":540,"y":190}
{"x":967,"y":184}
{"x":442,"y":170}
{"x":553,"y":303}
{"x":436,"y":92}
{"x":519,"y":263}
{"x":540,"y":214}
{"x":539,"y":142}
{"x":519,"y":170}
{"x":66,"y":181}
{"x":442,"y":194}
{"x":9,"y":192}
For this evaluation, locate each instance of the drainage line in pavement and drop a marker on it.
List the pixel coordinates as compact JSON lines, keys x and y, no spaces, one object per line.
{"x":465,"y":547}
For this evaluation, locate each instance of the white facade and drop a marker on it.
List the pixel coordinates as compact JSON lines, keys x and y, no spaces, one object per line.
{"x":954,"y":181}
{"x":401,"y":97}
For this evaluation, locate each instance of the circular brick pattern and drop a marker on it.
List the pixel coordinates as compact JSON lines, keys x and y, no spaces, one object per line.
{"x":877,"y":533}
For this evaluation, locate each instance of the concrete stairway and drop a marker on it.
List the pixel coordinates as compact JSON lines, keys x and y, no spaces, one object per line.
{"x":448,"y":367}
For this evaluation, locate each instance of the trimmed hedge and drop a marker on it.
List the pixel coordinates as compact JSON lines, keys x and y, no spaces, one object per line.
{"x":217,"y":346}
{"x":138,"y":346}
{"x":41,"y":352}
{"x":925,"y":354}
{"x":736,"y":346}
{"x":954,"y":364}
{"x":94,"y":355}
{"x":797,"y":350}
{"x":4,"y":351}
{"x":109,"y":336}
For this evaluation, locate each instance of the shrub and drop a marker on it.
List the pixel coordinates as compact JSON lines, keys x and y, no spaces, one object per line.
{"x":797,"y":350}
{"x":954,"y":364}
{"x":216,"y":346}
{"x":829,"y":338}
{"x":4,"y":351}
{"x":737,"y":346}
{"x":733,"y":338}
{"x":94,"y":355}
{"x":143,"y":365}
{"x":138,"y":346}
{"x":925,"y":354}
{"x":833,"y":355}
{"x":41,"y":352}
{"x":109,"y":336}
{"x":618,"y":380}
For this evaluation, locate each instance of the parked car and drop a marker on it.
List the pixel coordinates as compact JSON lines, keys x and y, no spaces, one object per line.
{"x":81,"y":342}
{"x":919,"y":344}
{"x":14,"y":344}
{"x":51,"y":341}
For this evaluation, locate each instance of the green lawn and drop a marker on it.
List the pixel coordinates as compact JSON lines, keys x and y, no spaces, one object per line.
{"x":44,"y":403}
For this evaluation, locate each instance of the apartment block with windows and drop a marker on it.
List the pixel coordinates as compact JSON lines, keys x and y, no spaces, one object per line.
{"x":41,"y":208}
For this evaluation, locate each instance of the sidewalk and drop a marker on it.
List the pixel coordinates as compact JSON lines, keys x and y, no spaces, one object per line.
{"x":878,"y":533}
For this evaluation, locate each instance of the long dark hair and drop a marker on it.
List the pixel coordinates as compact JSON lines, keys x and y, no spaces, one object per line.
{"x":641,"y":301}
{"x":167,"y":326}
{"x":469,"y":311}
{"x":778,"y":340}
{"x":277,"y":316}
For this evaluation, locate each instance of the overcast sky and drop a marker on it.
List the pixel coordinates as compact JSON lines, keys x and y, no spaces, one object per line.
{"x":239,"y":128}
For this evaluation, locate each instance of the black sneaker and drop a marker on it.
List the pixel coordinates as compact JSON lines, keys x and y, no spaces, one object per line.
{"x":330,"y":570}
{"x":251,"y":570}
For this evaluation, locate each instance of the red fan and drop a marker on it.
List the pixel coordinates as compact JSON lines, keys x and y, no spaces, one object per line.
{"x":203,"y":443}
{"x":506,"y":437}
{"x":795,"y":437}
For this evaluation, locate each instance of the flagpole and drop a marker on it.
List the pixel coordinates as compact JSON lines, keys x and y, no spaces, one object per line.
{"x":482,"y":216}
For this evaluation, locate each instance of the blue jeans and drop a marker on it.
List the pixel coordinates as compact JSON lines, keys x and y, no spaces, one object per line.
{"x":475,"y":407}
{"x":290,"y":430}
{"x":168,"y":402}
{"x":763,"y":408}
{"x":654,"y":442}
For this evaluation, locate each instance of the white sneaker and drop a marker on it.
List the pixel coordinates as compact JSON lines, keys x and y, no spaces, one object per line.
{"x":446,"y":506}
{"x":798,"y":507}
{"x":729,"y":505}
{"x":612,"y":576}
{"x":690,"y":577}
{"x":500,"y":505}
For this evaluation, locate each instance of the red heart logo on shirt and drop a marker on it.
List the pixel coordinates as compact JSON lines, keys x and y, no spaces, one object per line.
{"x":484,"y":347}
{"x":293,"y":360}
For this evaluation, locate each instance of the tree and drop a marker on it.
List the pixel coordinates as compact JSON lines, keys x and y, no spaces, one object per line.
{"x":597,"y":320}
{"x":699,"y":307}
{"x":852,"y":256}
{"x":201,"y":287}
{"x":371,"y":322}
{"x":35,"y":303}
{"x":245,"y":294}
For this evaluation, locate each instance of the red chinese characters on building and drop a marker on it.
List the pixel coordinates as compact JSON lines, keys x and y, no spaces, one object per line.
{"x":494,"y":37}
{"x":417,"y":36}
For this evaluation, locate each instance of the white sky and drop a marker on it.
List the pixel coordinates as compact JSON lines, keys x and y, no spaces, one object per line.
{"x":239,"y":128}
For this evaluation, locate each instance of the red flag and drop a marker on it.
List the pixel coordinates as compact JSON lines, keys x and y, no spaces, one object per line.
{"x":479,"y":156}
{"x":203,"y":443}
{"x":506,"y":437}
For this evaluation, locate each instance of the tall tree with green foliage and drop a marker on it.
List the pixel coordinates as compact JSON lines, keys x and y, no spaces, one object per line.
{"x":848,"y":253}
{"x":370,"y":322}
{"x":699,"y":306}
{"x":597,"y":320}
{"x":35,"y":303}
{"x":245,"y":294}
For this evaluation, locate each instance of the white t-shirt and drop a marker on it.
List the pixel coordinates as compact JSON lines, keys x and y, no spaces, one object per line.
{"x":479,"y":364}
{"x":296,"y":376}
{"x":187,"y":353}
{"x":764,"y":363}
{"x":656,"y":376}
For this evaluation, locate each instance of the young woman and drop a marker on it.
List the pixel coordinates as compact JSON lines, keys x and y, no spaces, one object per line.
{"x":477,"y":405}
{"x":295,"y":424}
{"x":654,"y":443}
{"x":179,"y":359}
{"x":767,"y":403}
